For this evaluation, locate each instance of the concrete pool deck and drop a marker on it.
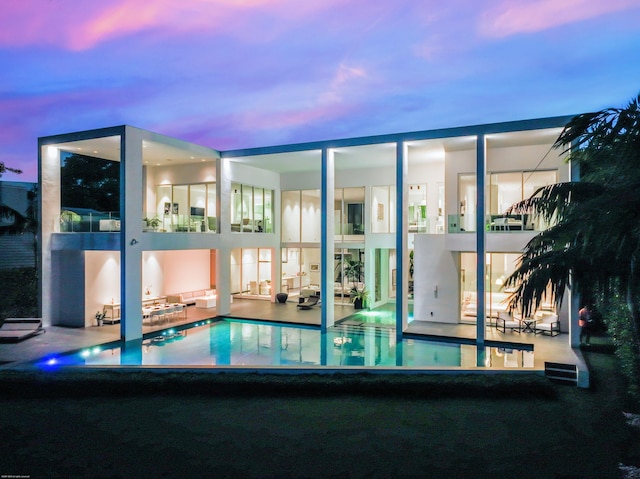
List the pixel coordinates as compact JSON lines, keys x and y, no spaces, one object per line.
{"x":58,"y":340}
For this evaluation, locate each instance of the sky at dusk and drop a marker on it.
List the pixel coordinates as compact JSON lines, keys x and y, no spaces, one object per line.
{"x":243,"y":73}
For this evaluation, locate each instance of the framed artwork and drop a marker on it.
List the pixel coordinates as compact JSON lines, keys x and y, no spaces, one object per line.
{"x":393,"y":278}
{"x":314,"y":267}
{"x":380,"y":212}
{"x":176,"y":208}
{"x":167,"y":208}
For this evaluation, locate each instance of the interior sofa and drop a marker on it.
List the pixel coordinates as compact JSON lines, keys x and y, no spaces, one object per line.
{"x":345,"y":287}
{"x":190,"y":297}
{"x":496,"y":303}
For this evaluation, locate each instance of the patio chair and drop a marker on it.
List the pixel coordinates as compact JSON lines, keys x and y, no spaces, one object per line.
{"x":308,"y":303}
{"x":506,"y":321}
{"x":18,"y":329}
{"x":549,"y":324}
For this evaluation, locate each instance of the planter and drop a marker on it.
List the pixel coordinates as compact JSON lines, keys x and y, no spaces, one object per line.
{"x":282,"y":297}
{"x":357,"y":303}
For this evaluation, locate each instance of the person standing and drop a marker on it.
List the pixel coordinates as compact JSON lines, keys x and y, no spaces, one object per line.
{"x":584,"y":321}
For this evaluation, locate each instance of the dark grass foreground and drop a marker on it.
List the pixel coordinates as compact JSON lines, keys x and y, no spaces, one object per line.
{"x":118,"y":383}
{"x":185,"y":425}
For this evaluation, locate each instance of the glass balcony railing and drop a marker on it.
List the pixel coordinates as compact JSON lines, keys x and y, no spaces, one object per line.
{"x":177,"y":223}
{"x":509,"y":223}
{"x":429,"y":225}
{"x":495,"y":223}
{"x":79,"y":221}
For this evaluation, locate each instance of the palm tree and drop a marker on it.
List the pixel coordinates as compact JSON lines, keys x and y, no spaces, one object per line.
{"x":593,"y":245}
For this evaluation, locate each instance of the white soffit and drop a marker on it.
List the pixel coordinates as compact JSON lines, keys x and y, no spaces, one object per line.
{"x":153,"y":153}
{"x":546,"y":136}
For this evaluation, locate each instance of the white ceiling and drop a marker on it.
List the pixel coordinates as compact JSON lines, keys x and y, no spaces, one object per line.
{"x":353,"y":157}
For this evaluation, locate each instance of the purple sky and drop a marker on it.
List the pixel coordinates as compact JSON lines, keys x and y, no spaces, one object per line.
{"x":242,"y":73}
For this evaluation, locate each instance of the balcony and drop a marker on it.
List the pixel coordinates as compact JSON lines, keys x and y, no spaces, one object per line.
{"x":83,"y":220}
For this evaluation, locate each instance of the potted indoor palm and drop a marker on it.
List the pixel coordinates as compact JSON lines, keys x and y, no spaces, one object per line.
{"x":359,"y":297}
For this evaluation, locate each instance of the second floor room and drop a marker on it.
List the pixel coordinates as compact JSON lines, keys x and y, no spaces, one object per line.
{"x":178,"y":187}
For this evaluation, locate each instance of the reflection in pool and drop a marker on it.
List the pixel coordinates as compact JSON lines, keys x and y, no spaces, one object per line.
{"x":249,"y":343}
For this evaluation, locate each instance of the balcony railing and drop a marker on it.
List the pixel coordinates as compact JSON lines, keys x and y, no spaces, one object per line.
{"x":92,"y":222}
{"x":495,"y":223}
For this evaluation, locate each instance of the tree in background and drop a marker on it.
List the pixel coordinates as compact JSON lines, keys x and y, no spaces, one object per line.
{"x":20,"y":285}
{"x":88,"y":182}
{"x":593,"y":246}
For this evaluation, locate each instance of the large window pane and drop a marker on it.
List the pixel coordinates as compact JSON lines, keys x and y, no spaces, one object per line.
{"x":211,"y":223}
{"x":180,"y":208}
{"x":268,"y":211}
{"x":197,"y":207}
{"x":247,"y":208}
{"x":417,"y":208}
{"x":466,"y":220}
{"x":258,"y":209}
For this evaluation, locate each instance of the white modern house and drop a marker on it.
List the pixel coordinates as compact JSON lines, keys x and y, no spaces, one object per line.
{"x":417,"y":218}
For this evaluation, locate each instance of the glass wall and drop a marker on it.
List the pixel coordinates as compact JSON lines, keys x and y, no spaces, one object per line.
{"x":89,"y":191}
{"x":506,"y":189}
{"x":349,"y":214}
{"x":251,"y":209}
{"x":251,"y":272}
{"x":466,"y":220}
{"x":498,"y":266}
{"x":300,"y":270}
{"x":418,"y":209}
{"x":184,"y":208}
{"x":301,"y":215}
{"x":348,"y":272}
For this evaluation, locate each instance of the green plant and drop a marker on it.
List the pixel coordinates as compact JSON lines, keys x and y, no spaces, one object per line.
{"x":359,"y":294}
{"x":100,"y":315}
{"x":152,"y":222}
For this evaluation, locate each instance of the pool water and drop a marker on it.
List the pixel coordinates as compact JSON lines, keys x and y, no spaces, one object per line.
{"x":249,"y":343}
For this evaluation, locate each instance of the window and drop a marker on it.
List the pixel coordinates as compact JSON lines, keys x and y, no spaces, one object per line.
{"x":508,"y":188}
{"x":349,"y":214}
{"x":251,"y":209}
{"x":184,"y":209}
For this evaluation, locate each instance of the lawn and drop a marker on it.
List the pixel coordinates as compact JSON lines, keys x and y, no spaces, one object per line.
{"x":179,"y":426}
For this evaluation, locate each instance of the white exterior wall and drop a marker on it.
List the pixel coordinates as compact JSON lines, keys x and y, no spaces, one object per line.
{"x":436,"y":281}
{"x":101,"y":282}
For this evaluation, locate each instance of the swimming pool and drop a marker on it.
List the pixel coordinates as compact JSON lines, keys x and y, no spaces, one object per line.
{"x":230,"y":342}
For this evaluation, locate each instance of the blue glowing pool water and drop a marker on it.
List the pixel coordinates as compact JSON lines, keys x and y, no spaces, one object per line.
{"x":248,"y":343}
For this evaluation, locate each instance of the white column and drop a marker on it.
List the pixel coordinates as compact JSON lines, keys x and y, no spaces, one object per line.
{"x":49,"y":206}
{"x":327,"y":232}
{"x":131,"y":240}
{"x":223,"y":262}
{"x":481,"y":166}
{"x":402,"y":257}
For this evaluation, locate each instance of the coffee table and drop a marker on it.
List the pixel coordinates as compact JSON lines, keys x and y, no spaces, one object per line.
{"x":529,"y":325}
{"x":206,"y":302}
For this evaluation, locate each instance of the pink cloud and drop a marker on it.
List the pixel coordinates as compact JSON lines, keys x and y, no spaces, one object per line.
{"x":510,"y":18}
{"x":83,"y":25}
